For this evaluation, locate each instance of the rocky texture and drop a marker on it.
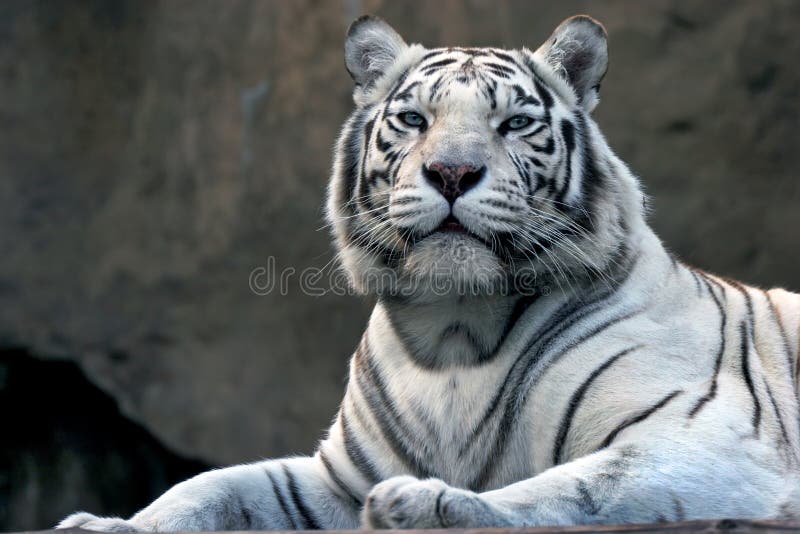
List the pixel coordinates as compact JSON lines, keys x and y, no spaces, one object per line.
{"x":153,"y":155}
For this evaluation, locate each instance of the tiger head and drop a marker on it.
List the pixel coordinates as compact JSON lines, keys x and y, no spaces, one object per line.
{"x":477,"y":169}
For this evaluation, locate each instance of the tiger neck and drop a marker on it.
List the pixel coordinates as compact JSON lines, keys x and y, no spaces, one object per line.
{"x":453,"y":330}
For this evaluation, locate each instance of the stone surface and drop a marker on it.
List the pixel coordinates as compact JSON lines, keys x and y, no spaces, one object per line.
{"x":741,"y":526}
{"x":153,"y":155}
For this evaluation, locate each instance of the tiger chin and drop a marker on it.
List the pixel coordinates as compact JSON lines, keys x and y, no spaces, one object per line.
{"x":535,"y":356}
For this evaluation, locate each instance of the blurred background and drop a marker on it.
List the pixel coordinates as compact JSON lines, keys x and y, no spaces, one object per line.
{"x":153,"y":155}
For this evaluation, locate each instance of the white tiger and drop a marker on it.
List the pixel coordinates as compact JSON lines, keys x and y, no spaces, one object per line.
{"x":535,"y":356}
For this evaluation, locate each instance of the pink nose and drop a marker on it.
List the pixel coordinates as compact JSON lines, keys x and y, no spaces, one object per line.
{"x":452,"y":181}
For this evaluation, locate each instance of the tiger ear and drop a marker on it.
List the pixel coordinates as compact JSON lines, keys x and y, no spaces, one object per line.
{"x":370,"y":48}
{"x":578,"y":51}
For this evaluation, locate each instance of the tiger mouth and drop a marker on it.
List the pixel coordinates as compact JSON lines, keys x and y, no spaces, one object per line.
{"x":451,"y":224}
{"x":449,"y":227}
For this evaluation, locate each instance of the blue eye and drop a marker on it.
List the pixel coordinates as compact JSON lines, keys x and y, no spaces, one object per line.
{"x":412,"y":118}
{"x":517,"y":122}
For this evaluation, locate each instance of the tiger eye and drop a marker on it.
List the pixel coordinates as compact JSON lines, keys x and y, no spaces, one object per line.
{"x":517,"y":122}
{"x":412,"y":118}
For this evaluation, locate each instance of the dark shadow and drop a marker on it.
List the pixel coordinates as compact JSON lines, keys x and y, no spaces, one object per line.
{"x":67,"y":447}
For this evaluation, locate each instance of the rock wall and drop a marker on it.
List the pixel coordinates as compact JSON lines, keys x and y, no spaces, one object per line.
{"x":66,"y":447}
{"x":154,"y":155}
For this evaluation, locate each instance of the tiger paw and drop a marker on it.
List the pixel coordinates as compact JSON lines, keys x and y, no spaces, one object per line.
{"x":407,"y":502}
{"x":86,"y":521}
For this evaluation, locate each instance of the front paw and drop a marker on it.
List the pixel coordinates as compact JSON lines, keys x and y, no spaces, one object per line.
{"x":407,"y":502}
{"x":88,"y":521}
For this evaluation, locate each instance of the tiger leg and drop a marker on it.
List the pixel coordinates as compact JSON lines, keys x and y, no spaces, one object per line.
{"x":625,"y":484}
{"x":289,"y":494}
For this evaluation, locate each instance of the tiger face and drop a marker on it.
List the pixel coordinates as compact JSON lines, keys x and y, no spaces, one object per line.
{"x":473,"y":169}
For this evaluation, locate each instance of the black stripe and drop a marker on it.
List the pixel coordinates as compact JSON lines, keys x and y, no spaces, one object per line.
{"x":784,"y":338}
{"x":499,"y":204}
{"x":396,"y":89}
{"x":673,"y":260}
{"x":522,"y":169}
{"x":432,"y":67}
{"x":568,"y":133}
{"x":520,"y":307}
{"x":585,"y":501}
{"x":362,"y":182}
{"x":777,"y":413}
{"x":697,"y":283}
{"x":591,"y":180}
{"x":361,"y":238}
{"x":498,"y":73}
{"x":470,"y":51}
{"x":639,"y":418}
{"x":356,"y":454}
{"x":382,"y":407}
{"x":491,"y":88}
{"x":349,"y":148}
{"x":247,"y":516}
{"x":710,"y":280}
{"x":390,"y":159}
{"x":406,"y":200}
{"x":338,"y":480}
{"x":548,"y":149}
{"x":435,"y":86}
{"x":712,"y":390}
{"x":505,"y":57}
{"x":575,"y":401}
{"x":281,"y":499}
{"x":309,"y":520}
{"x":372,"y":179}
{"x":541,"y":181}
{"x":381,"y":143}
{"x":500,"y":68}
{"x":585,"y":337}
{"x":747,"y":299}
{"x":405,"y":94}
{"x":748,"y":378}
{"x":544,"y":94}
{"x":536,"y":161}
{"x":680,"y":513}
{"x":536,"y":131}
{"x":432,"y":53}
{"x":521,"y":96}
{"x":395,"y":129}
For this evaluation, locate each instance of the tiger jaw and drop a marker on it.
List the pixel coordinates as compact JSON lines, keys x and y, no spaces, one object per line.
{"x":442,"y":263}
{"x":445,"y":247}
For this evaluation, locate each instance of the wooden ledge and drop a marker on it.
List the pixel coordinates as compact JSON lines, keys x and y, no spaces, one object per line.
{"x":719,"y":525}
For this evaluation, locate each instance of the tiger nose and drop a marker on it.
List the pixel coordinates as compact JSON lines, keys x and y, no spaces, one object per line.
{"x":452,"y":181}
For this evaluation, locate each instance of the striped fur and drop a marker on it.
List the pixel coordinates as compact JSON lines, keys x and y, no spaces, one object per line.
{"x":535,"y":356}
